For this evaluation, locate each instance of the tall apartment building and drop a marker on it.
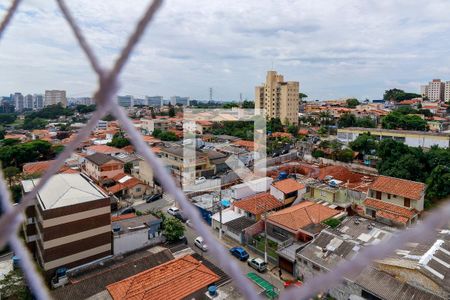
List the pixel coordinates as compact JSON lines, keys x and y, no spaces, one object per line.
{"x":279,"y":98}
{"x":38,"y":101}
{"x":174,"y":100}
{"x":69,"y":224}
{"x":125,"y":101}
{"x":53,"y":97}
{"x":435,"y":90}
{"x":18,"y":100}
{"x":154,"y":100}
{"x":28,"y":102}
{"x":447,"y":91}
{"x":424,"y":90}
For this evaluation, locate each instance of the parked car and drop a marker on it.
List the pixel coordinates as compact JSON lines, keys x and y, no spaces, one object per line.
{"x":275,"y":154}
{"x":200,"y":180}
{"x":258,"y":264}
{"x":239,"y":253}
{"x":173,"y":210}
{"x":152,"y":198}
{"x":189,"y":223}
{"x":128,"y":210}
{"x":285,"y":151}
{"x":200,"y":243}
{"x":180,"y":216}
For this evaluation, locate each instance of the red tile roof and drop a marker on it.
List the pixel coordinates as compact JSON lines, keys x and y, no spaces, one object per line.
{"x":105,"y":149}
{"x":258,"y":203}
{"x":393,"y":217}
{"x":281,"y":134}
{"x":339,"y":173}
{"x":175,"y":279}
{"x":130,"y":183}
{"x":122,"y":217}
{"x":301,"y":215}
{"x":401,"y":187}
{"x":40,"y":167}
{"x":249,"y":145}
{"x":288,"y":185}
{"x":390,"y":208}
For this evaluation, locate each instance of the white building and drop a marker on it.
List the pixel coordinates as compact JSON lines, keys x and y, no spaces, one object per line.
{"x":125,"y":101}
{"x":447,"y":91}
{"x":435,"y":91}
{"x":18,"y":102}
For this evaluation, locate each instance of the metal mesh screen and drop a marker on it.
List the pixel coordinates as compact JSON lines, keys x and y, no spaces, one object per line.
{"x":105,"y":99}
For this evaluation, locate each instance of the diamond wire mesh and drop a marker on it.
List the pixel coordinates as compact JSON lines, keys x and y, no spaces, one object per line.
{"x":104,"y":97}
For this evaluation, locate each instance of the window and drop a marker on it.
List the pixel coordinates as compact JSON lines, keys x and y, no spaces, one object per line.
{"x":407,"y":202}
{"x":389,"y":196}
{"x":138,"y":189}
{"x":316,"y":268}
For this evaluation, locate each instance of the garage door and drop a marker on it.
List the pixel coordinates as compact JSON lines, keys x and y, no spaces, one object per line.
{"x":285,"y":265}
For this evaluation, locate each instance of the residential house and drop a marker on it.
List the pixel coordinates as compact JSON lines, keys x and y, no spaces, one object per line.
{"x":127,"y":186}
{"x":131,"y":232}
{"x":101,"y":166}
{"x":295,"y":226}
{"x":255,"y":206}
{"x":104,"y":149}
{"x":334,"y":246}
{"x":287,"y":190}
{"x":182,"y":278}
{"x":36,"y":169}
{"x":394,"y":201}
{"x":69,"y":224}
{"x":185,"y":171}
{"x":91,"y":281}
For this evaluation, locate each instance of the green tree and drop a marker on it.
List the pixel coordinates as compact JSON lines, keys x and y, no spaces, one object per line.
{"x":347,"y":120}
{"x":10,"y":173}
{"x":119,"y":140}
{"x":438,"y":183}
{"x":302,"y":96}
{"x":248,"y":104}
{"x":293,"y":129}
{"x":10,"y":142}
{"x":364,"y":143}
{"x":13,"y":286}
{"x":317,"y":153}
{"x":398,"y":95}
{"x":173,"y":229}
{"x":345,"y":155}
{"x":230,"y":105}
{"x":365,"y":122}
{"x":7,"y":118}
{"x":274,"y":125}
{"x":128,"y":167}
{"x":352,"y":102}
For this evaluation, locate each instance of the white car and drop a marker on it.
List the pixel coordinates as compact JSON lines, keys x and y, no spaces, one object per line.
{"x":200,"y":180}
{"x":199,"y":242}
{"x":173,"y":210}
{"x":189,"y":223}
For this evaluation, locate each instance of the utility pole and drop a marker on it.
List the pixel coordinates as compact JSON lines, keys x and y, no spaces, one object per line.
{"x":220,"y":213}
{"x":265,"y":237}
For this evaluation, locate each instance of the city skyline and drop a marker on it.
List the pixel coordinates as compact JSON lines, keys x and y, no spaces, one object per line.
{"x":370,"y":47}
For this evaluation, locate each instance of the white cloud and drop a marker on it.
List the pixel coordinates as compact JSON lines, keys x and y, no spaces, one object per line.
{"x":334,"y":48}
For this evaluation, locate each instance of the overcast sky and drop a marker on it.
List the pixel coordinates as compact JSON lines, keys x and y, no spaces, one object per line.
{"x":345,"y":48}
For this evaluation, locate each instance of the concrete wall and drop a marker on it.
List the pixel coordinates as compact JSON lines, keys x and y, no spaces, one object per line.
{"x":133,"y":240}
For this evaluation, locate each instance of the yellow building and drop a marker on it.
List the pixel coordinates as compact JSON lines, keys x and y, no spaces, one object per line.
{"x":279,"y":98}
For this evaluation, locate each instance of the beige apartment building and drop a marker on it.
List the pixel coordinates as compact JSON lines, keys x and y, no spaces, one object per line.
{"x":447,"y":91}
{"x":53,"y":97}
{"x":279,"y":98}
{"x":434,"y":90}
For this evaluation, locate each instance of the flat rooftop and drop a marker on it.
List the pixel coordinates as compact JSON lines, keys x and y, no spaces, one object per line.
{"x":64,"y":190}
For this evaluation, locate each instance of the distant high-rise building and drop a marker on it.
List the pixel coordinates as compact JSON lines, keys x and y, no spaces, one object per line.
{"x":38,"y":101}
{"x":279,"y":98}
{"x":82,"y":101}
{"x":424,"y":90}
{"x":154,"y":100}
{"x":18,"y":99}
{"x":447,"y":91}
{"x":53,"y":97}
{"x":125,"y":101}
{"x":435,"y":90}
{"x":28,"y":102}
{"x":179,"y":100}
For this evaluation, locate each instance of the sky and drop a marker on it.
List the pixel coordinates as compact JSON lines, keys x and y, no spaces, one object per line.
{"x":335,"y":49}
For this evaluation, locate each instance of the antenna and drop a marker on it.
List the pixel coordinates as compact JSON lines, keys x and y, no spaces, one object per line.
{"x":210,"y":94}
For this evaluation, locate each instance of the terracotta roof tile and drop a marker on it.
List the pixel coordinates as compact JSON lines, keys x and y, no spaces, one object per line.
{"x":122,"y":217}
{"x":301,"y":215}
{"x":176,"y":279}
{"x":401,"y":187}
{"x":288,"y":185}
{"x":393,"y":217}
{"x":281,"y":134}
{"x":340,"y":173}
{"x":249,"y":145}
{"x":390,"y":208}
{"x":40,"y":167}
{"x":105,"y":149}
{"x":258,"y":203}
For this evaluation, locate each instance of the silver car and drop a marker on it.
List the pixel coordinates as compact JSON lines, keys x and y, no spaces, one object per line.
{"x":258,"y":264}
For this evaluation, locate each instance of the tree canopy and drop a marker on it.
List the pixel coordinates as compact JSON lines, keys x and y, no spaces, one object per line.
{"x":19,"y":154}
{"x":352,"y":102}
{"x":165,"y":135}
{"x":173,"y":229}
{"x":350,"y":120}
{"x":398,"y":120}
{"x":119,"y":140}
{"x":398,"y":95}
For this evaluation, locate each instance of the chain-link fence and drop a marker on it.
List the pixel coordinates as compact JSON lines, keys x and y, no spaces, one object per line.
{"x":105,"y":96}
